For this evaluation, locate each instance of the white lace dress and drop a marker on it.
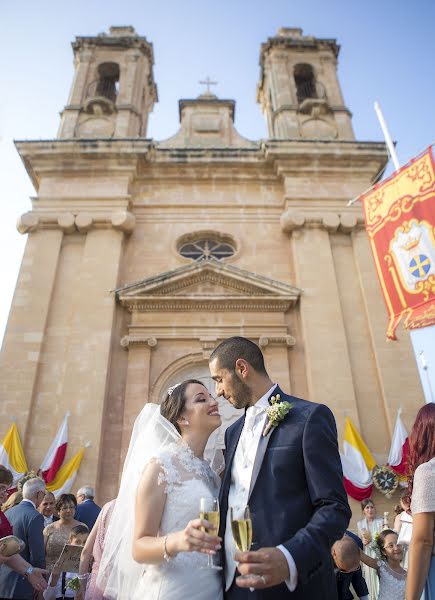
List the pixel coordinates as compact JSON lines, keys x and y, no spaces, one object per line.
{"x":186,"y":479}
{"x":391,"y":584}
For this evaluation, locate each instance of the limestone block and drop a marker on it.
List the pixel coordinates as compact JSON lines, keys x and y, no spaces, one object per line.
{"x":66,"y":222}
{"x":330,"y":222}
{"x":123,"y":220}
{"x":84,"y":222}
{"x":348,"y":222}
{"x":292,"y":220}
{"x":28,"y":222}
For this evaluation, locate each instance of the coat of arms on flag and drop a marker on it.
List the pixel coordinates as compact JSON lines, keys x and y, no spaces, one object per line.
{"x":400,"y":222}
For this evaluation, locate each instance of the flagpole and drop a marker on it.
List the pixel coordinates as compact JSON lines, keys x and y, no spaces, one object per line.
{"x":425,"y":368}
{"x":389,"y":144}
{"x":388,"y":140}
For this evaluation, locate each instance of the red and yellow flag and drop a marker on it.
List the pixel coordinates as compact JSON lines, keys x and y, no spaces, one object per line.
{"x":400,"y":222}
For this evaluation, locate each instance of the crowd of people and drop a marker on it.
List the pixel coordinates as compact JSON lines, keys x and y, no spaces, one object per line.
{"x":151,"y":543}
{"x":45,"y":524}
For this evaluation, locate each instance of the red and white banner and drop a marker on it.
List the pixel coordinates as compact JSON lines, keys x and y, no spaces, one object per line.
{"x":357,"y":463}
{"x":56,"y":453}
{"x":399,"y":450}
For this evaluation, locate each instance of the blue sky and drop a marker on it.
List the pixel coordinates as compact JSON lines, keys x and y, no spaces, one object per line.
{"x":387,"y":54}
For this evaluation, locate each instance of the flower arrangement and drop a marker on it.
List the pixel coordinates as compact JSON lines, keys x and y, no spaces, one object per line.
{"x":276,"y":413}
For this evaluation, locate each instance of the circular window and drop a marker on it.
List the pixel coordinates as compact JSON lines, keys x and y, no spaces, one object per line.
{"x":204,"y":248}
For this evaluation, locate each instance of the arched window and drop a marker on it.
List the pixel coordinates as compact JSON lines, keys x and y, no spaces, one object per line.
{"x":204,"y":248}
{"x":305,"y":82}
{"x":107,"y":84}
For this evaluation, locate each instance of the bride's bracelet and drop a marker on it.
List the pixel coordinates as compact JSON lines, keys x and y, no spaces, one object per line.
{"x":166,"y":556}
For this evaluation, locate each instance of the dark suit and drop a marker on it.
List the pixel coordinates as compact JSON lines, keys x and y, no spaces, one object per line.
{"x":344,"y":580}
{"x":27,"y":524}
{"x":87,"y":512}
{"x":296,"y":498}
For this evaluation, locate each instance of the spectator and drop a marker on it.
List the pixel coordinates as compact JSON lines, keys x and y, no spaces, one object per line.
{"x":92,"y":553}
{"x":56,"y":535}
{"x":368,"y":527}
{"x":6,"y":480}
{"x":403,"y":525}
{"x":27,"y":524}
{"x":421,"y":559}
{"x":46,"y":509}
{"x":58,"y":582}
{"x":87,"y":510}
{"x":14,"y":499}
{"x":346,"y":555}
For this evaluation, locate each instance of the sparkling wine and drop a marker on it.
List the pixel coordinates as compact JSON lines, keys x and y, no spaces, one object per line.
{"x":213,"y":518}
{"x":242,"y":533}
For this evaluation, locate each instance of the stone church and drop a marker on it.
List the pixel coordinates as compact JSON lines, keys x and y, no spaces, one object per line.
{"x":142,"y":255}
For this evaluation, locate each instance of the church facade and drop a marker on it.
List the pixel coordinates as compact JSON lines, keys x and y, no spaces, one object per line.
{"x":143,"y":255}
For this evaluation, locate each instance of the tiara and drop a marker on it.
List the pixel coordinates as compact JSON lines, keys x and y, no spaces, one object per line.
{"x":172,"y":388}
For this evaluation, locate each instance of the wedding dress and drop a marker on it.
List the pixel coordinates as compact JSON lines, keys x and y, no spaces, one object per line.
{"x":186,"y":479}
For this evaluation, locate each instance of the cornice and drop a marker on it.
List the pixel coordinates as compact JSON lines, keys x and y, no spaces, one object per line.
{"x":230,"y":303}
{"x":144,"y":159}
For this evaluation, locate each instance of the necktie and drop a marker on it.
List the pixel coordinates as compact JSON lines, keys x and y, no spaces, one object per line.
{"x":248,"y":429}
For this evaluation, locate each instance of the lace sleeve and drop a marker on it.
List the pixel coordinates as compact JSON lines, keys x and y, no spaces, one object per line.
{"x":423,"y":493}
{"x":169,"y":475}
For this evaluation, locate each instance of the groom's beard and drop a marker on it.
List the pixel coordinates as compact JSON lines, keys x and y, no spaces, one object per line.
{"x":241,"y":393}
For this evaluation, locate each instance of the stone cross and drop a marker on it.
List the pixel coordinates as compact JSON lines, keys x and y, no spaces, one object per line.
{"x":208,"y":82}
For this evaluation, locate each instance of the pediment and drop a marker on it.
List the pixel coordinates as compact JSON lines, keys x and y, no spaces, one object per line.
{"x":209,"y":284}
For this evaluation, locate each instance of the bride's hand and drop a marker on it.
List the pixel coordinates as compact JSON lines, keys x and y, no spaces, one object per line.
{"x":193,"y":539}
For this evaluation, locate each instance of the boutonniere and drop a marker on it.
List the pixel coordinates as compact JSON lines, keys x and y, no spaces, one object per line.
{"x":276,"y":413}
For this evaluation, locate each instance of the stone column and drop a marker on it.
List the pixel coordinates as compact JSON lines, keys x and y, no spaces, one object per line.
{"x":395,"y":361}
{"x":138,"y":383}
{"x":275,"y":352}
{"x":19,"y":359}
{"x":127,"y":105}
{"x":89,"y":345}
{"x":72,"y":109}
{"x":329,"y":373}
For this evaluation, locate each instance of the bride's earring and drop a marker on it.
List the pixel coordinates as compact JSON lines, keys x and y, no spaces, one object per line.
{"x":186,"y":421}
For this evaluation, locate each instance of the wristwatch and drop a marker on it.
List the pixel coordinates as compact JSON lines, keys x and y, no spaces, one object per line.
{"x":28,"y":571}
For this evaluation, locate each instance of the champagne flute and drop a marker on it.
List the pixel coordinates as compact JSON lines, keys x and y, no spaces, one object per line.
{"x":209,"y":511}
{"x":242,"y":534}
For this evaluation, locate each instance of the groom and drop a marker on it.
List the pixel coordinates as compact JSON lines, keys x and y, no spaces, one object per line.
{"x":291,"y":479}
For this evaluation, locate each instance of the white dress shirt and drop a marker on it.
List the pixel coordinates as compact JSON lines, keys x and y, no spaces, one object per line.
{"x":241,"y":474}
{"x":48,"y":520}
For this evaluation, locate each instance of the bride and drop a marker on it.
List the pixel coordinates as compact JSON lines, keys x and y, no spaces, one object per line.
{"x":156,"y":547}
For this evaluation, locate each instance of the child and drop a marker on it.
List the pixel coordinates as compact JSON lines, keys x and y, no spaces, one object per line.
{"x":392,"y":577}
{"x":57,"y":583}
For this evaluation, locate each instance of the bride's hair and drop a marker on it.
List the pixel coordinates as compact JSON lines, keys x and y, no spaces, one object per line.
{"x":174,"y":403}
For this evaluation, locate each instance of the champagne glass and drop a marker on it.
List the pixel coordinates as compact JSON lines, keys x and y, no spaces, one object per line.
{"x":242,"y":533}
{"x":209,"y":511}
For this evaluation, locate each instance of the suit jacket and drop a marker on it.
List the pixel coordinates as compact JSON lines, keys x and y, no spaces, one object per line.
{"x":296,"y":497}
{"x":343,"y":584}
{"x":87,"y":513}
{"x":27,"y":524}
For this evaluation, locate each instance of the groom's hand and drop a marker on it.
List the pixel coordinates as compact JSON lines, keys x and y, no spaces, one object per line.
{"x":265,"y":567}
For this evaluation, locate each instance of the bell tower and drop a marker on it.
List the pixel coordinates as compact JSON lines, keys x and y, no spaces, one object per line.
{"x":299,"y":91}
{"x":113,"y":89}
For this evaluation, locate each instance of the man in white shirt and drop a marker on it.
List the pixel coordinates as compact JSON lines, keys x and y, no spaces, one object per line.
{"x":291,"y":478}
